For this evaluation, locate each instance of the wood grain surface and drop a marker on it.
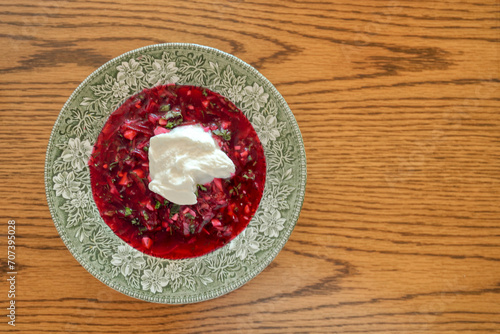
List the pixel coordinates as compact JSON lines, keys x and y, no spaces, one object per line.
{"x":398,"y":104}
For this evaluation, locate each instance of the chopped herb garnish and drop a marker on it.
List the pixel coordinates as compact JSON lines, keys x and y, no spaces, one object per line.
{"x":145,"y":214}
{"x":128,"y":211}
{"x":157,"y":205}
{"x":189,"y":216}
{"x":172,"y":114}
{"x":173,"y":123}
{"x":145,"y":148}
{"x":141,"y":230}
{"x":249,"y":176}
{"x":174,"y":209}
{"x":224,"y":133}
{"x":192,"y":228}
{"x":165,"y":107}
{"x":135,"y":221}
{"x":202,"y":187}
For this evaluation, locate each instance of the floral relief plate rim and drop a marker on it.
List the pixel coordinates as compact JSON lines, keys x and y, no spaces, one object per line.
{"x":175,"y":281}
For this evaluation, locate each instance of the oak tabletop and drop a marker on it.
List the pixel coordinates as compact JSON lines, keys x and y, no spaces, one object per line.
{"x":398,"y":105}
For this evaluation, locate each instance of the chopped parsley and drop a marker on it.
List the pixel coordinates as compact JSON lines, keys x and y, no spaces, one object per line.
{"x":113,"y":164}
{"x":174,"y":209}
{"x":142,"y":229}
{"x":128,"y":211}
{"x":192,"y":228}
{"x":174,"y":118}
{"x":165,"y":107}
{"x":172,"y":114}
{"x":172,"y":124}
{"x":249,"y":176}
{"x":223,"y":133}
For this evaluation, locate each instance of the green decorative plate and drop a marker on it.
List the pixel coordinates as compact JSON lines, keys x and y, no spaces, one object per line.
{"x":104,"y":254}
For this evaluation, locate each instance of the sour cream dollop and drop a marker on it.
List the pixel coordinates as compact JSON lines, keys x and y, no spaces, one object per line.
{"x":183,"y":158}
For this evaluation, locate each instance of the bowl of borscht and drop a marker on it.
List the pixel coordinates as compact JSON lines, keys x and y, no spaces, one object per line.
{"x":175,"y":173}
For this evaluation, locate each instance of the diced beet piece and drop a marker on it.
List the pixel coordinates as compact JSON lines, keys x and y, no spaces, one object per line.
{"x":218,"y":184}
{"x":130,"y":134}
{"x":139,"y":183}
{"x":140,"y":154}
{"x":124,"y":180}
{"x":160,"y":130}
{"x":153,"y":118}
{"x":139,"y":127}
{"x":216,"y":223}
{"x":147,"y":242}
{"x":139,"y":172}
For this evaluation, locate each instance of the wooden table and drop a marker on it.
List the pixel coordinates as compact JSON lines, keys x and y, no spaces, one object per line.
{"x":398,"y":106}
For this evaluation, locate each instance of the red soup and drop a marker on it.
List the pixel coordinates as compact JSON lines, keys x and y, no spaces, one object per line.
{"x":119,"y":173}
